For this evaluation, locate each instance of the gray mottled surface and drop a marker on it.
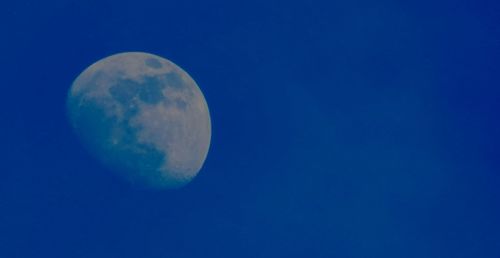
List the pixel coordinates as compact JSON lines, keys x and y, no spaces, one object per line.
{"x":142,"y":116}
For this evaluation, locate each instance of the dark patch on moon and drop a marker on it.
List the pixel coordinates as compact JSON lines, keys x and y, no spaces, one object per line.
{"x":181,"y":104}
{"x":126,"y":91}
{"x":151,"y":90}
{"x":153,"y":63}
{"x":128,"y":94}
{"x":135,"y":157}
{"x":85,"y":120}
{"x":116,"y":140}
{"x":174,"y":80}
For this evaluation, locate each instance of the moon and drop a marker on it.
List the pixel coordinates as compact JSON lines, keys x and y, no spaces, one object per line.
{"x":143,"y":117}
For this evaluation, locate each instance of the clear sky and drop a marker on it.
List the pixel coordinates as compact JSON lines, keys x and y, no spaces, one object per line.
{"x":339,"y":129}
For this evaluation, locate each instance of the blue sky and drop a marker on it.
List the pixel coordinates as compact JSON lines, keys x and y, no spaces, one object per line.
{"x":340,"y":129}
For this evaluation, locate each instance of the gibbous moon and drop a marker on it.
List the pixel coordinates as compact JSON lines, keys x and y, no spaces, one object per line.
{"x":143,"y":117}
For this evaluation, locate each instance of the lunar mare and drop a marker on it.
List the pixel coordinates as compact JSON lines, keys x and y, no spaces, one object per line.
{"x":143,"y":117}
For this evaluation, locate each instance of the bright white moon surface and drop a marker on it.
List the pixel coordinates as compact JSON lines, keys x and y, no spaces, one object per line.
{"x":143,"y":117}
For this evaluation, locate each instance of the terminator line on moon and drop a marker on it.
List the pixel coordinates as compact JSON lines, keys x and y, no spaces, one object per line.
{"x":143,"y":117}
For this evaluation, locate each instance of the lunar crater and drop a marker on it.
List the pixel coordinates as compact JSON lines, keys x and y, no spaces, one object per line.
{"x":153,"y":63}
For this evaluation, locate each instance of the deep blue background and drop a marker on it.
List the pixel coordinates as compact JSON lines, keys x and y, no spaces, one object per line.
{"x":340,"y":129}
